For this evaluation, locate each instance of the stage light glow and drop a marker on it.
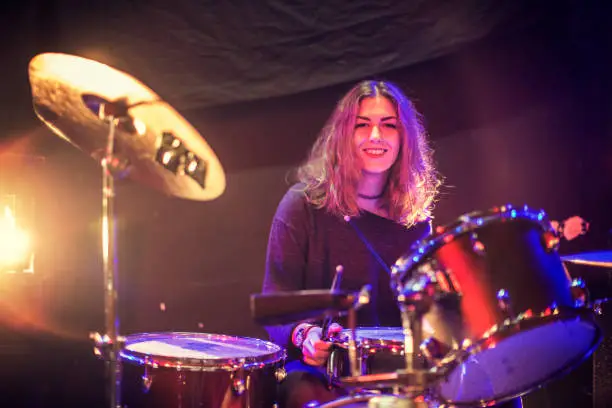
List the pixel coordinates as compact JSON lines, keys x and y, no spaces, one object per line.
{"x":15,"y":244}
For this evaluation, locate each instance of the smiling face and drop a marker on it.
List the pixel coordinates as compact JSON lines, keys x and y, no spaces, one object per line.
{"x":377,"y":137}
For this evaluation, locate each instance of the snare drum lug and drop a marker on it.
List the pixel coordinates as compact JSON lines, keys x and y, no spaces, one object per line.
{"x":550,"y":241}
{"x":597,"y":306}
{"x":504,"y":302}
{"x":477,"y":245}
{"x":147,"y":381}
{"x":579,"y":292}
{"x":147,"y":378}
{"x":433,"y":350}
{"x":238,"y":387}
{"x":280,"y":374}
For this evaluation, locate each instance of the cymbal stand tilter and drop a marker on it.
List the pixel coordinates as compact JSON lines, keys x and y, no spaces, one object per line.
{"x":411,"y":385}
{"x":110,"y":344}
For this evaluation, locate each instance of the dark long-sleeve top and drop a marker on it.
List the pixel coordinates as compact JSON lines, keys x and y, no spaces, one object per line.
{"x":306,"y":245}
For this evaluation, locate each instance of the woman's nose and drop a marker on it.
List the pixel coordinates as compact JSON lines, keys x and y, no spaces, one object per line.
{"x":375,"y":133}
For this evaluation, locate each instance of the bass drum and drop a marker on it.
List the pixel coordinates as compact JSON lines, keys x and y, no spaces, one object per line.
{"x":185,"y":370}
{"x":506,"y":305}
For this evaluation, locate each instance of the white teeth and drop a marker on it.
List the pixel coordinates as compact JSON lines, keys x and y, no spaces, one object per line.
{"x":375,"y":151}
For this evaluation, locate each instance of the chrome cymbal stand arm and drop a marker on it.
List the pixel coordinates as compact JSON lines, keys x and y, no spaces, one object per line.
{"x":363,"y":298}
{"x":109,"y":345}
{"x":415,"y":299}
{"x":352,"y":343}
{"x":413,"y":336}
{"x":109,"y":259}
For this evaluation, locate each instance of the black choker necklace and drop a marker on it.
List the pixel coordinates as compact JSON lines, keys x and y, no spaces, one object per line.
{"x":367,"y":197}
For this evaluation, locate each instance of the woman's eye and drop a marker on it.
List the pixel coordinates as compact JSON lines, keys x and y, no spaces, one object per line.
{"x":391,"y":125}
{"x":360,"y":125}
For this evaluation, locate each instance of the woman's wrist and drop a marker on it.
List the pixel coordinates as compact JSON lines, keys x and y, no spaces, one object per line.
{"x":299,"y":334}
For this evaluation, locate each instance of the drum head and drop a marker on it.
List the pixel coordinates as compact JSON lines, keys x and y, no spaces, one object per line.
{"x":199,"y":351}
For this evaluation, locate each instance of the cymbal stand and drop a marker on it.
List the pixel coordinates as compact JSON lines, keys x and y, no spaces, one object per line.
{"x":110,"y":344}
{"x":362,"y":299}
{"x":414,"y":301}
{"x":411,"y":385}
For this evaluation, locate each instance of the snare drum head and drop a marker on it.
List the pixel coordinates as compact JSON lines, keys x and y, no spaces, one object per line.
{"x":199,"y":350}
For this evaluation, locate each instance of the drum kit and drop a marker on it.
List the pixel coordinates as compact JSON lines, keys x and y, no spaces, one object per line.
{"x":489,"y":311}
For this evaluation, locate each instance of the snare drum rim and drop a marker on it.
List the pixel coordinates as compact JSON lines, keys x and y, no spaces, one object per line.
{"x":198,"y":364}
{"x":371,"y":342}
{"x":466,"y":223}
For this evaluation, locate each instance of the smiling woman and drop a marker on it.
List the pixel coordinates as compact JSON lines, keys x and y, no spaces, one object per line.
{"x":371,"y":163}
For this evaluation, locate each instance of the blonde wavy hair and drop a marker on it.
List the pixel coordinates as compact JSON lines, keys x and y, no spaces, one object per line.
{"x":333,"y":169}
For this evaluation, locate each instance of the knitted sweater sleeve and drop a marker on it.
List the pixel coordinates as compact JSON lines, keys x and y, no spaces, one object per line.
{"x":286,"y":259}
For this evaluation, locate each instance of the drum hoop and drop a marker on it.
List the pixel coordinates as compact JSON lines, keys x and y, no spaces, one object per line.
{"x":372,"y":342}
{"x":202,"y":364}
{"x":467,"y":223}
{"x":525,"y":322}
{"x":457,"y":357}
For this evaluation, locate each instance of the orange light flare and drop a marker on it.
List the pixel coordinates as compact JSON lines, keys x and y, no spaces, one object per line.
{"x":17,"y":296}
{"x":25,"y":297}
{"x":15,"y":243}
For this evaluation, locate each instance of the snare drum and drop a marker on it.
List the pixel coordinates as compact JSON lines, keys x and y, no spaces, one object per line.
{"x":507,"y":305}
{"x":379,"y":350}
{"x":199,"y":370}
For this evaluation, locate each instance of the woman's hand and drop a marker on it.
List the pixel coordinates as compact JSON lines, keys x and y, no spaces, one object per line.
{"x":315,"y":351}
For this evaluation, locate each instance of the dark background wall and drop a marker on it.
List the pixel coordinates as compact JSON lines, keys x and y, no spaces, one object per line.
{"x":521,"y":115}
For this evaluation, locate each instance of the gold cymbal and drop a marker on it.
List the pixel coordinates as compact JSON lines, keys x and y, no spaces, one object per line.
{"x":154,"y":145}
{"x":595,"y":258}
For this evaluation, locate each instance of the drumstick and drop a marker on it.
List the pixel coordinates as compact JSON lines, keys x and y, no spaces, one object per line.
{"x":334,"y":287}
{"x":368,"y":245}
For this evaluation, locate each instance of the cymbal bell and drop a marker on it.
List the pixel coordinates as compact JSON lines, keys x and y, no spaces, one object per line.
{"x":154,"y":145}
{"x":594,"y":258}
